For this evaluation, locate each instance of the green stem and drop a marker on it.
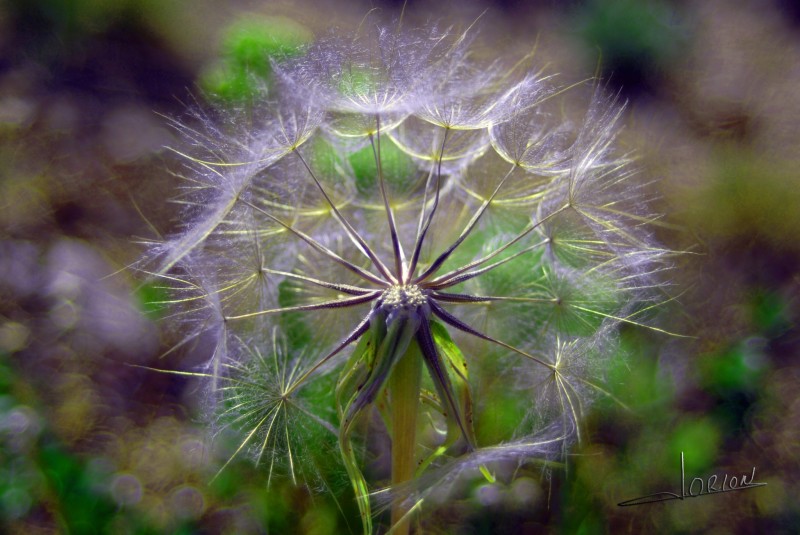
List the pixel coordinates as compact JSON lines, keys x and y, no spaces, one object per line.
{"x":404,"y":388}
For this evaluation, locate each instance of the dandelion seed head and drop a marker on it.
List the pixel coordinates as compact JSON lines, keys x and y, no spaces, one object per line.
{"x":391,"y":195}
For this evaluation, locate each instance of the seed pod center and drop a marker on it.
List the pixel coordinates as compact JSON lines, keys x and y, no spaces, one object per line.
{"x":403,"y":298}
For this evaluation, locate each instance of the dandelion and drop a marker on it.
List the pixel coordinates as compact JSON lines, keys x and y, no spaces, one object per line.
{"x":398,"y":228}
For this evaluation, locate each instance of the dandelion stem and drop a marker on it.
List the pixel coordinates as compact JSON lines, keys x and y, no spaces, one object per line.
{"x":404,"y":388}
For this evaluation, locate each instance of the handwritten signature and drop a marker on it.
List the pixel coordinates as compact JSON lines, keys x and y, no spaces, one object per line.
{"x":706,"y":487}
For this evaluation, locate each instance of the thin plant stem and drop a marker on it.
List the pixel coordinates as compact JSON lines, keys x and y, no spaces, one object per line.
{"x":404,"y":388}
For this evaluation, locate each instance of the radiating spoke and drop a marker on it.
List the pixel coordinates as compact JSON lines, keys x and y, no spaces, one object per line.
{"x":242,"y":445}
{"x":459,"y":298}
{"x":444,"y":282}
{"x":366,"y":275}
{"x":478,"y":299}
{"x":352,"y":337}
{"x":337,"y":303}
{"x":629,"y":321}
{"x":460,"y":325}
{"x":361,"y":245}
{"x":423,"y":228}
{"x":343,"y":288}
{"x":397,"y":247}
{"x":575,"y":407}
{"x":464,"y":233}
{"x":530,"y":228}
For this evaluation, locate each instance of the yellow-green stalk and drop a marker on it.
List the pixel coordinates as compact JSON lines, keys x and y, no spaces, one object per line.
{"x":404,"y":388}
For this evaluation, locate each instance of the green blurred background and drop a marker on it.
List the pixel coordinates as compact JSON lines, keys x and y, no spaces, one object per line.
{"x":89,"y":444}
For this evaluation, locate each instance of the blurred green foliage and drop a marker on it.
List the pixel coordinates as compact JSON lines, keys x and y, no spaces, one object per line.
{"x":397,"y":168}
{"x":151,"y":298}
{"x":293,"y":324}
{"x":738,"y":368}
{"x":247,"y":49}
{"x":40,"y":477}
{"x":636,"y":39}
{"x":699,"y":440}
{"x":749,"y":195}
